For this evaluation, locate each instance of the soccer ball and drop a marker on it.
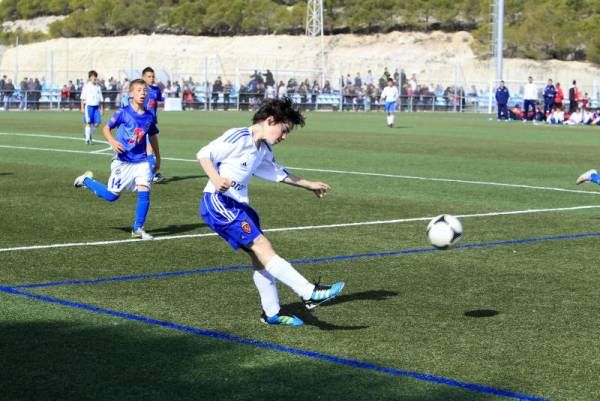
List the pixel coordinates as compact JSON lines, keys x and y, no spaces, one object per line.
{"x":444,"y":231}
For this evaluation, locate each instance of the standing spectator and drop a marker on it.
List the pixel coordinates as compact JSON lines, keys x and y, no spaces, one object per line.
{"x":216,"y":89}
{"x":326,"y":88}
{"x":585,"y":101}
{"x":402,"y":77}
{"x":9,"y":89}
{"x":24,"y":94}
{"x":369,"y":78}
{"x":559,"y":97}
{"x":72,"y":94}
{"x":502,"y":96}
{"x":357,"y":80}
{"x":269,"y":80}
{"x":37,"y":94}
{"x":530,"y":95}
{"x":65,"y":93}
{"x":188,"y":98}
{"x":573,"y":97}
{"x":226,"y":93}
{"x":2,"y":84}
{"x":549,"y":96}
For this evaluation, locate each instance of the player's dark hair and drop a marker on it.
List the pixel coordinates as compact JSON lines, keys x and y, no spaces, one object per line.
{"x":282,"y":110}
{"x":138,"y":81}
{"x":147,"y":69}
{"x":390,"y":80}
{"x":92,"y":73}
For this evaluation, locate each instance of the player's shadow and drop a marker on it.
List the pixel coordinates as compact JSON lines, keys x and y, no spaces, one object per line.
{"x":99,"y":359}
{"x":310,"y":319}
{"x":168,"y":230}
{"x":176,"y":178}
{"x":6,"y":173}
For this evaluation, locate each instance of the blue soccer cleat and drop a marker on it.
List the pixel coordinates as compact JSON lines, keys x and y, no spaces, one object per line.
{"x":323,"y":293}
{"x":282,"y":320}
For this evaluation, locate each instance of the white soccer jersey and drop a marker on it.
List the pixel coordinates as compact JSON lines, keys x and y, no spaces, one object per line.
{"x":91,"y":94}
{"x":530,"y":92}
{"x":236,"y":157}
{"x":389,"y":94}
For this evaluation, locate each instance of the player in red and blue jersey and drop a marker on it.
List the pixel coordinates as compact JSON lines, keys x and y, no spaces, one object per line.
{"x":130,"y":169}
{"x":151,"y":104}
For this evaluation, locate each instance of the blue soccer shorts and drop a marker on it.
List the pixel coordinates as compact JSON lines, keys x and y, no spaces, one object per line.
{"x":92,"y":115}
{"x":390,"y":107}
{"x":237,"y":223}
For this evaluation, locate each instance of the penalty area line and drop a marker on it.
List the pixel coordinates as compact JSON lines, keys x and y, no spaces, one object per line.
{"x":297,"y":228}
{"x":299,"y":352}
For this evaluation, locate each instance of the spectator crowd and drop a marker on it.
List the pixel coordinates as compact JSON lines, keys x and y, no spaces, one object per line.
{"x":554,"y":108}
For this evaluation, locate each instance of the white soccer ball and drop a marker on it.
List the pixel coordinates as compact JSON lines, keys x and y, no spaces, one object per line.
{"x":444,"y":231}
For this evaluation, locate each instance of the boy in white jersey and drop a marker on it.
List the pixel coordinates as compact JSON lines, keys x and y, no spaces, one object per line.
{"x":230,"y":161}
{"x":91,"y":105}
{"x":390,"y":96}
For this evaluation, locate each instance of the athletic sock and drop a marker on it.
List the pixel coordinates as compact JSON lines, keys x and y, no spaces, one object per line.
{"x":141,"y":209}
{"x":88,"y":133}
{"x":285,"y":272}
{"x":99,"y":189}
{"x":267,"y":289}
{"x":92,"y":131}
{"x":392,"y":119}
{"x":595,"y":178}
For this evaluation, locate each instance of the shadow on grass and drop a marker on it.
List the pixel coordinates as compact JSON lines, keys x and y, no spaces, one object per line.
{"x":168,"y":230}
{"x":91,"y":360}
{"x":176,"y":178}
{"x":310,"y":317}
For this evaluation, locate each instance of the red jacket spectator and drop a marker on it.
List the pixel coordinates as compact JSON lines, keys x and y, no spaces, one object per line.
{"x":559,"y":97}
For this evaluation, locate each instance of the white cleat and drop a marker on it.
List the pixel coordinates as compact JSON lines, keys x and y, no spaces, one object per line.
{"x":141,"y":234}
{"x":78,"y":183}
{"x":586,"y":177}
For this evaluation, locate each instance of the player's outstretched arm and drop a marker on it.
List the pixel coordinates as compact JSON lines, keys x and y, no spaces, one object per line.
{"x":117,"y":147}
{"x":319,"y":188}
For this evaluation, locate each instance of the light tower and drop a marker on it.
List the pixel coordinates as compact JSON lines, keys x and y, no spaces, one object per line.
{"x":497,"y":42}
{"x":314,"y":28}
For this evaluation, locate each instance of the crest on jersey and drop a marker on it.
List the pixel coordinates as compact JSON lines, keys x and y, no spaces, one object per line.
{"x":151,"y":104}
{"x":246,"y":227}
{"x":137,"y":136}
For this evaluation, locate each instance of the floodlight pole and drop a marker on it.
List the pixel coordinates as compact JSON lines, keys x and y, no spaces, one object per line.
{"x":314,"y":28}
{"x":499,"y":38}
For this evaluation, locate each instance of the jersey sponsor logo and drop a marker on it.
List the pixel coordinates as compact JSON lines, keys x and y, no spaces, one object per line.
{"x":246,"y":227}
{"x":137,"y":136}
{"x":244,"y":165}
{"x":237,"y":186}
{"x":151,"y":104}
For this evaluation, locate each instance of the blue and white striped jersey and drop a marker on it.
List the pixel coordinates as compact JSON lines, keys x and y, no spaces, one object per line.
{"x":236,"y":157}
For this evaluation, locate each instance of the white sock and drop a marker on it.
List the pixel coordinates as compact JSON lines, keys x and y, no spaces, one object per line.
{"x":88,"y":133}
{"x":388,"y":119}
{"x":284,"y":272}
{"x":392,"y":119}
{"x":92,"y":131}
{"x":267,"y":289}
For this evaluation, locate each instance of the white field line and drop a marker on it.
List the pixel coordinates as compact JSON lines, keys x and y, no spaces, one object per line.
{"x":299,"y":228}
{"x":407,"y":177}
{"x":70,"y":138}
{"x":102,"y":150}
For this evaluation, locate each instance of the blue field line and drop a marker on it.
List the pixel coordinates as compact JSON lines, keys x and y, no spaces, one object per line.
{"x":275,"y":347}
{"x":306,"y":261}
